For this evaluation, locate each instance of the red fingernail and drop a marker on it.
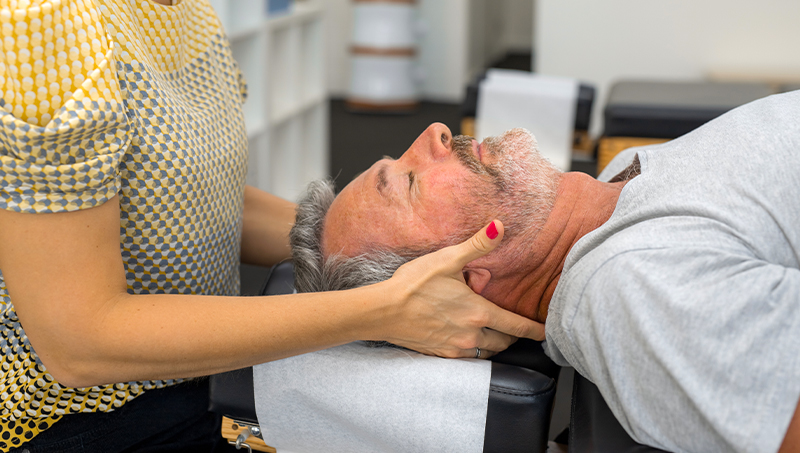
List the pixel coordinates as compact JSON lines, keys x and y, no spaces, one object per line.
{"x":491,"y":230}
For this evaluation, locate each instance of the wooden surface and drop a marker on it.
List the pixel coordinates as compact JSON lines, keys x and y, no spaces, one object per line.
{"x":553,"y":447}
{"x":384,"y":52}
{"x":468,"y":126}
{"x":582,"y":142}
{"x":230,"y":431}
{"x":608,"y":147}
{"x":365,"y":105}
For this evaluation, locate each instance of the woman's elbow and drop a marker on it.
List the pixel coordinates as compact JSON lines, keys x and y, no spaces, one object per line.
{"x":73,"y":345}
{"x":72,"y":370}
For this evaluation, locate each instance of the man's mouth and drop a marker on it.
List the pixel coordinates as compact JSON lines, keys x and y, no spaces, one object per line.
{"x":476,"y":148}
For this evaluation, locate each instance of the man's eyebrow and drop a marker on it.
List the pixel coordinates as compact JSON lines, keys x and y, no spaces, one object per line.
{"x":380,"y":182}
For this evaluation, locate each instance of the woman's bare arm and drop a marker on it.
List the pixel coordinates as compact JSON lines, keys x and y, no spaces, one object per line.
{"x":267,"y":221}
{"x":65,"y":275}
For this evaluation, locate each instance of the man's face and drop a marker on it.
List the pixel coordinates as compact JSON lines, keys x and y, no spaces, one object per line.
{"x":439,"y":192}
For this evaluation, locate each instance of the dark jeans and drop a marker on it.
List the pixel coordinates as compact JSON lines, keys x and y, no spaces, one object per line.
{"x":173,"y":419}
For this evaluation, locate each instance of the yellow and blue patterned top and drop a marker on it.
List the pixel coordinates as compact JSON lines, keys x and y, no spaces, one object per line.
{"x":128,"y":97}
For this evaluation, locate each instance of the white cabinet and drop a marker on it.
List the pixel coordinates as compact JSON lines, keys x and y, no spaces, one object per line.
{"x":286,"y":112}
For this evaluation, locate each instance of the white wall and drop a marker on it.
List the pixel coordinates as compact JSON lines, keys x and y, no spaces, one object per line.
{"x":464,"y":36}
{"x":517,"y":31}
{"x":338,"y":33}
{"x":495,"y":28}
{"x":601,"y":41}
{"x":443,"y":49}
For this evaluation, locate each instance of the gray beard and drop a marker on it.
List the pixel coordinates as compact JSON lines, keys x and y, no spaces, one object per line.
{"x":522,"y":190}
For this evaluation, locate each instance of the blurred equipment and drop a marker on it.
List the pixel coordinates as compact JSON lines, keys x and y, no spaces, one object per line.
{"x":506,"y":99}
{"x":642,"y":113}
{"x":384,"y":73}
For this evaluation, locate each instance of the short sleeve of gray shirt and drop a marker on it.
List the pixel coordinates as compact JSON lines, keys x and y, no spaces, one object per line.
{"x":684,"y":308}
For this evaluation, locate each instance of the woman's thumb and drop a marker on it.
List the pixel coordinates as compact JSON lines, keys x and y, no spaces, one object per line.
{"x":481,"y":243}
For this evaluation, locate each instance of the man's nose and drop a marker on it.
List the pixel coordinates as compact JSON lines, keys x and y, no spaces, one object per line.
{"x":439,"y":140}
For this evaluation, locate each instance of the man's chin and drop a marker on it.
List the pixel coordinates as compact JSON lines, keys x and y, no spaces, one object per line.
{"x":511,"y":142}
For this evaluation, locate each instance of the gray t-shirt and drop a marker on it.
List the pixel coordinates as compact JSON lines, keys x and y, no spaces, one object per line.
{"x":684,"y":308}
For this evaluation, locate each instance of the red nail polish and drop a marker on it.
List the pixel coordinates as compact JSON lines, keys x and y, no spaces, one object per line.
{"x":491,"y":230}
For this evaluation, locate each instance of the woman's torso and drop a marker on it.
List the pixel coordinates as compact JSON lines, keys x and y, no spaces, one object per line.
{"x":135,"y":99}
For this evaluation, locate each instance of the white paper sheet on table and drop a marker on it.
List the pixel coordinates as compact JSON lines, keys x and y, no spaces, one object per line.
{"x":356,"y":398}
{"x":545,"y":105}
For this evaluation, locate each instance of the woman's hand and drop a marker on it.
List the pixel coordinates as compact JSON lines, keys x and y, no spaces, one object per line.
{"x":440,"y":315}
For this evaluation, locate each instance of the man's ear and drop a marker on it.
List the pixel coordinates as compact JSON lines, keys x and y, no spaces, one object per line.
{"x":477,"y":278}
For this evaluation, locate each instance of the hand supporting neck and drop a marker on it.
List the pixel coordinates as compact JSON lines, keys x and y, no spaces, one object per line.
{"x":582,"y":205}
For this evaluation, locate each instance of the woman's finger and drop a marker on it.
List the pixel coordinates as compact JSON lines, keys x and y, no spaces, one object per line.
{"x":493,"y":340}
{"x":480,"y":244}
{"x":515,"y":325}
{"x":473,"y":354}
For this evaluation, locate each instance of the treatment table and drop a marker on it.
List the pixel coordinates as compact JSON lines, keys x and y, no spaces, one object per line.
{"x":521,"y":393}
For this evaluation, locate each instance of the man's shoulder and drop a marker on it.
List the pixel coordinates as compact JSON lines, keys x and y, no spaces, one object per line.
{"x":615,"y":272}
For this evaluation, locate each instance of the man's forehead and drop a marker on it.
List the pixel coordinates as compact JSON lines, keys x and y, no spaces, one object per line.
{"x":348,"y":223}
{"x":332,"y":223}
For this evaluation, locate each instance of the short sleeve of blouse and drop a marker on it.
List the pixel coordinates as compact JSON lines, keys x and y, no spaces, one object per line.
{"x":64,"y":127}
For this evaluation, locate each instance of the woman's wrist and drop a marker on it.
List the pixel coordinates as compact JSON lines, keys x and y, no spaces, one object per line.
{"x":380,"y":309}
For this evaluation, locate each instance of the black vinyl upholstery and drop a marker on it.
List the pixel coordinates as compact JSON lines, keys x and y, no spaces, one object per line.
{"x":593,"y":427}
{"x":670,"y":109}
{"x":231,"y":394}
{"x":521,"y":391}
{"x":520,"y":405}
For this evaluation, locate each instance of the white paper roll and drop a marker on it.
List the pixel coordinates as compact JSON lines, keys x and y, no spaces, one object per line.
{"x":384,"y":78}
{"x":545,"y":105}
{"x":355,"y":398}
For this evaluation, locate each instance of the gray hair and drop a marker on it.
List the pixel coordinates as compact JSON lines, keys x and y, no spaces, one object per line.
{"x":312,"y":272}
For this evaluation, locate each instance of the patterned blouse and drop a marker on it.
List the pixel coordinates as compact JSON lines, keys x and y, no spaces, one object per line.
{"x":128,"y":97}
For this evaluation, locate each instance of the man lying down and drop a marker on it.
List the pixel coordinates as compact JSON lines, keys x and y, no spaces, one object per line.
{"x":674,"y":286}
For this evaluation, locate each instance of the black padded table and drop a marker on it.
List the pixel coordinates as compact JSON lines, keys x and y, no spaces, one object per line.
{"x":521,"y":391}
{"x":593,"y":427}
{"x":639,"y":113}
{"x":671,"y":109}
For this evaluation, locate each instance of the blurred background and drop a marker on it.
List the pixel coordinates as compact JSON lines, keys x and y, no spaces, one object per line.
{"x":337,"y":84}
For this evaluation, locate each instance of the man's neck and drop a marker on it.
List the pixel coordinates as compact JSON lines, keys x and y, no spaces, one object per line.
{"x":582,"y":205}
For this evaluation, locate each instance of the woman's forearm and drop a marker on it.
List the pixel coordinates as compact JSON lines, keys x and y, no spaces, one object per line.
{"x":266,"y":224}
{"x":143,"y":337}
{"x":66,"y":279}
